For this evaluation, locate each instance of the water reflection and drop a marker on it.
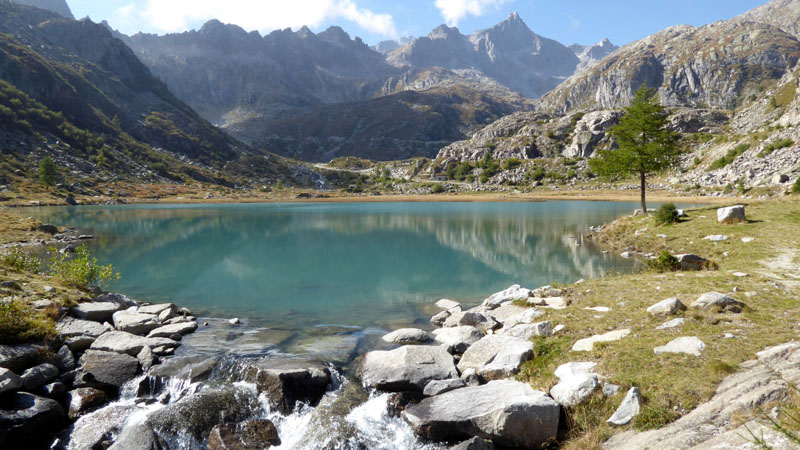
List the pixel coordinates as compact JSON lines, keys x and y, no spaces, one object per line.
{"x":341,"y":263}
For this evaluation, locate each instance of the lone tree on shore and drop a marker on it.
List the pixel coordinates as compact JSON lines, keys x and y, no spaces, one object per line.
{"x":48,"y":173}
{"x":646,"y":145}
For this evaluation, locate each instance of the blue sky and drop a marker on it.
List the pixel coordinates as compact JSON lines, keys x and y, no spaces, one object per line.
{"x":568,"y":21}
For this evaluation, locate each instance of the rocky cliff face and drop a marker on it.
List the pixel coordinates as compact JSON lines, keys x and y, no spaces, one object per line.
{"x":59,"y":7}
{"x":717,"y":65}
{"x":509,"y":52}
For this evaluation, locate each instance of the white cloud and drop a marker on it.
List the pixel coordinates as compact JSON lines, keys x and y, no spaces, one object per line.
{"x":574,"y":23}
{"x":455,"y":10}
{"x":263,"y":15}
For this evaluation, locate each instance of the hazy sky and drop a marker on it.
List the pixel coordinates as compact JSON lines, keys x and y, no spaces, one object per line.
{"x":568,"y":21}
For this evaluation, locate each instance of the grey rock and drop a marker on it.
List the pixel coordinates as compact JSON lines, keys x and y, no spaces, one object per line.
{"x":528,"y":331}
{"x":198,"y":414}
{"x":495,"y":357}
{"x":610,"y":390}
{"x":9,"y":381}
{"x":136,"y":323}
{"x":671,"y":324}
{"x":446,"y":304}
{"x":716,"y":238}
{"x":439,"y":318}
{"x":82,"y":400}
{"x":192,"y":368}
{"x":65,"y":360}
{"x":54,"y":389}
{"x":576,"y":383}
{"x":139,"y":436}
{"x":471,"y":378}
{"x":110,"y":297}
{"x":717,"y":300}
{"x":95,"y":430}
{"x":166,"y":331}
{"x":731,"y":214}
{"x":514,"y":292}
{"x":690,"y":261}
{"x":146,"y":358}
{"x":47,"y":228}
{"x":457,"y":339}
{"x":249,"y":435}
{"x":470,"y":318}
{"x":131,"y":344}
{"x":20,"y":357}
{"x":95,"y":311}
{"x":508,"y":412}
{"x":590,"y":132}
{"x":587,"y":344}
{"x":691,"y":345}
{"x":288,"y":381}
{"x":437,"y":387}
{"x":475,"y":443}
{"x":167,"y":314}
{"x":80,"y":343}
{"x":106,"y":370}
{"x":405,"y":336}
{"x":28,"y":421}
{"x":628,"y":409}
{"x":667,"y":307}
{"x":157,"y":309}
{"x":36,"y":377}
{"x":68,"y":327}
{"x":408,"y":368}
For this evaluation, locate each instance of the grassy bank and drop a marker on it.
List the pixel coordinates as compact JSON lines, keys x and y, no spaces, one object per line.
{"x":674,"y":384}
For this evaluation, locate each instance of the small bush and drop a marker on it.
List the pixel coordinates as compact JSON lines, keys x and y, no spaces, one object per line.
{"x":664,"y":263}
{"x":20,"y":261}
{"x":777,"y":145}
{"x":48,"y":173}
{"x":81,"y":269}
{"x":512,"y":163}
{"x":730,"y":156}
{"x":666,"y":214}
{"x":796,"y":186}
{"x":19,"y":323}
{"x":437,"y":188}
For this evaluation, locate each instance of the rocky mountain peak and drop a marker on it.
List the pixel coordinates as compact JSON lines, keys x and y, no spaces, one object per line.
{"x":335,"y":35}
{"x":57,"y":6}
{"x":305,"y":32}
{"x":444,"y":32}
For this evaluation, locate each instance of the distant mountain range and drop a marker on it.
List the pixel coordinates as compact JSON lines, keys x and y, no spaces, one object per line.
{"x":318,"y":96}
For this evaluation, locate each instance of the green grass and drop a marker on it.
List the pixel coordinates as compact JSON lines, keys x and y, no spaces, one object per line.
{"x":19,"y":323}
{"x":20,"y":261}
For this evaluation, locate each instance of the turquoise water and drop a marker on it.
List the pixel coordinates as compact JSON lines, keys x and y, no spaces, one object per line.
{"x":348,"y":263}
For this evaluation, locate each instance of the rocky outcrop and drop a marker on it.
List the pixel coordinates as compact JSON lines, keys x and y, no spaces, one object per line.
{"x":592,"y":132}
{"x":495,"y":357}
{"x":408,"y":368}
{"x":507,"y":412}
{"x":712,"y":424}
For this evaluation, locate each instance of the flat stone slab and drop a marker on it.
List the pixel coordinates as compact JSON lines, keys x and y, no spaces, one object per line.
{"x":716,"y":238}
{"x":457,"y":339}
{"x":166,"y":331}
{"x":157,"y":309}
{"x":447,"y":304}
{"x":674,"y":323}
{"x":507,"y":314}
{"x":628,"y":409}
{"x":406,"y":336}
{"x":471,"y":318}
{"x":549,"y":302}
{"x":437,"y":387}
{"x":134,"y":322}
{"x":19,"y":357}
{"x":108,"y":369}
{"x":95,"y":311}
{"x":576,"y":383}
{"x":408,"y":368}
{"x":507,"y":412}
{"x":495,"y":356}
{"x":690,"y":345}
{"x":131,"y":344}
{"x":587,"y":344}
{"x":68,"y":327}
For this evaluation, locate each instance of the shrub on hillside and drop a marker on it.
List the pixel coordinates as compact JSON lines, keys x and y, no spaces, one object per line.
{"x":666,"y":214}
{"x":664,"y":263}
{"x":20,"y":261}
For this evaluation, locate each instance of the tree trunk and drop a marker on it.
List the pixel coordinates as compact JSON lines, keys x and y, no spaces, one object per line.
{"x":644,"y":186}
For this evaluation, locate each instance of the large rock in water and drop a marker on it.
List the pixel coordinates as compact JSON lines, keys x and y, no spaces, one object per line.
{"x":507,"y":412}
{"x":134,"y":322}
{"x":288,"y":381}
{"x":139,"y":437}
{"x":250,"y":435}
{"x":407,"y":368}
{"x":731,"y":214}
{"x":495,"y":356}
{"x":106,"y":370}
{"x":198,"y":414}
{"x":27,"y":421}
{"x":131,"y":344}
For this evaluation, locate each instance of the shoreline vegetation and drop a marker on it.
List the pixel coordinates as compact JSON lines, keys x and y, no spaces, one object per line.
{"x":756,"y":264}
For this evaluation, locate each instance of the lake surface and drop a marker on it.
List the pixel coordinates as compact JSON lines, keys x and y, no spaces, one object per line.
{"x":359,"y":264}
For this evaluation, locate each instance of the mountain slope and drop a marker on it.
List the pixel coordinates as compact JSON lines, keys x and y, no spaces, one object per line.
{"x":88,"y":100}
{"x":59,"y":7}
{"x":718,"y":65}
{"x":590,"y":54}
